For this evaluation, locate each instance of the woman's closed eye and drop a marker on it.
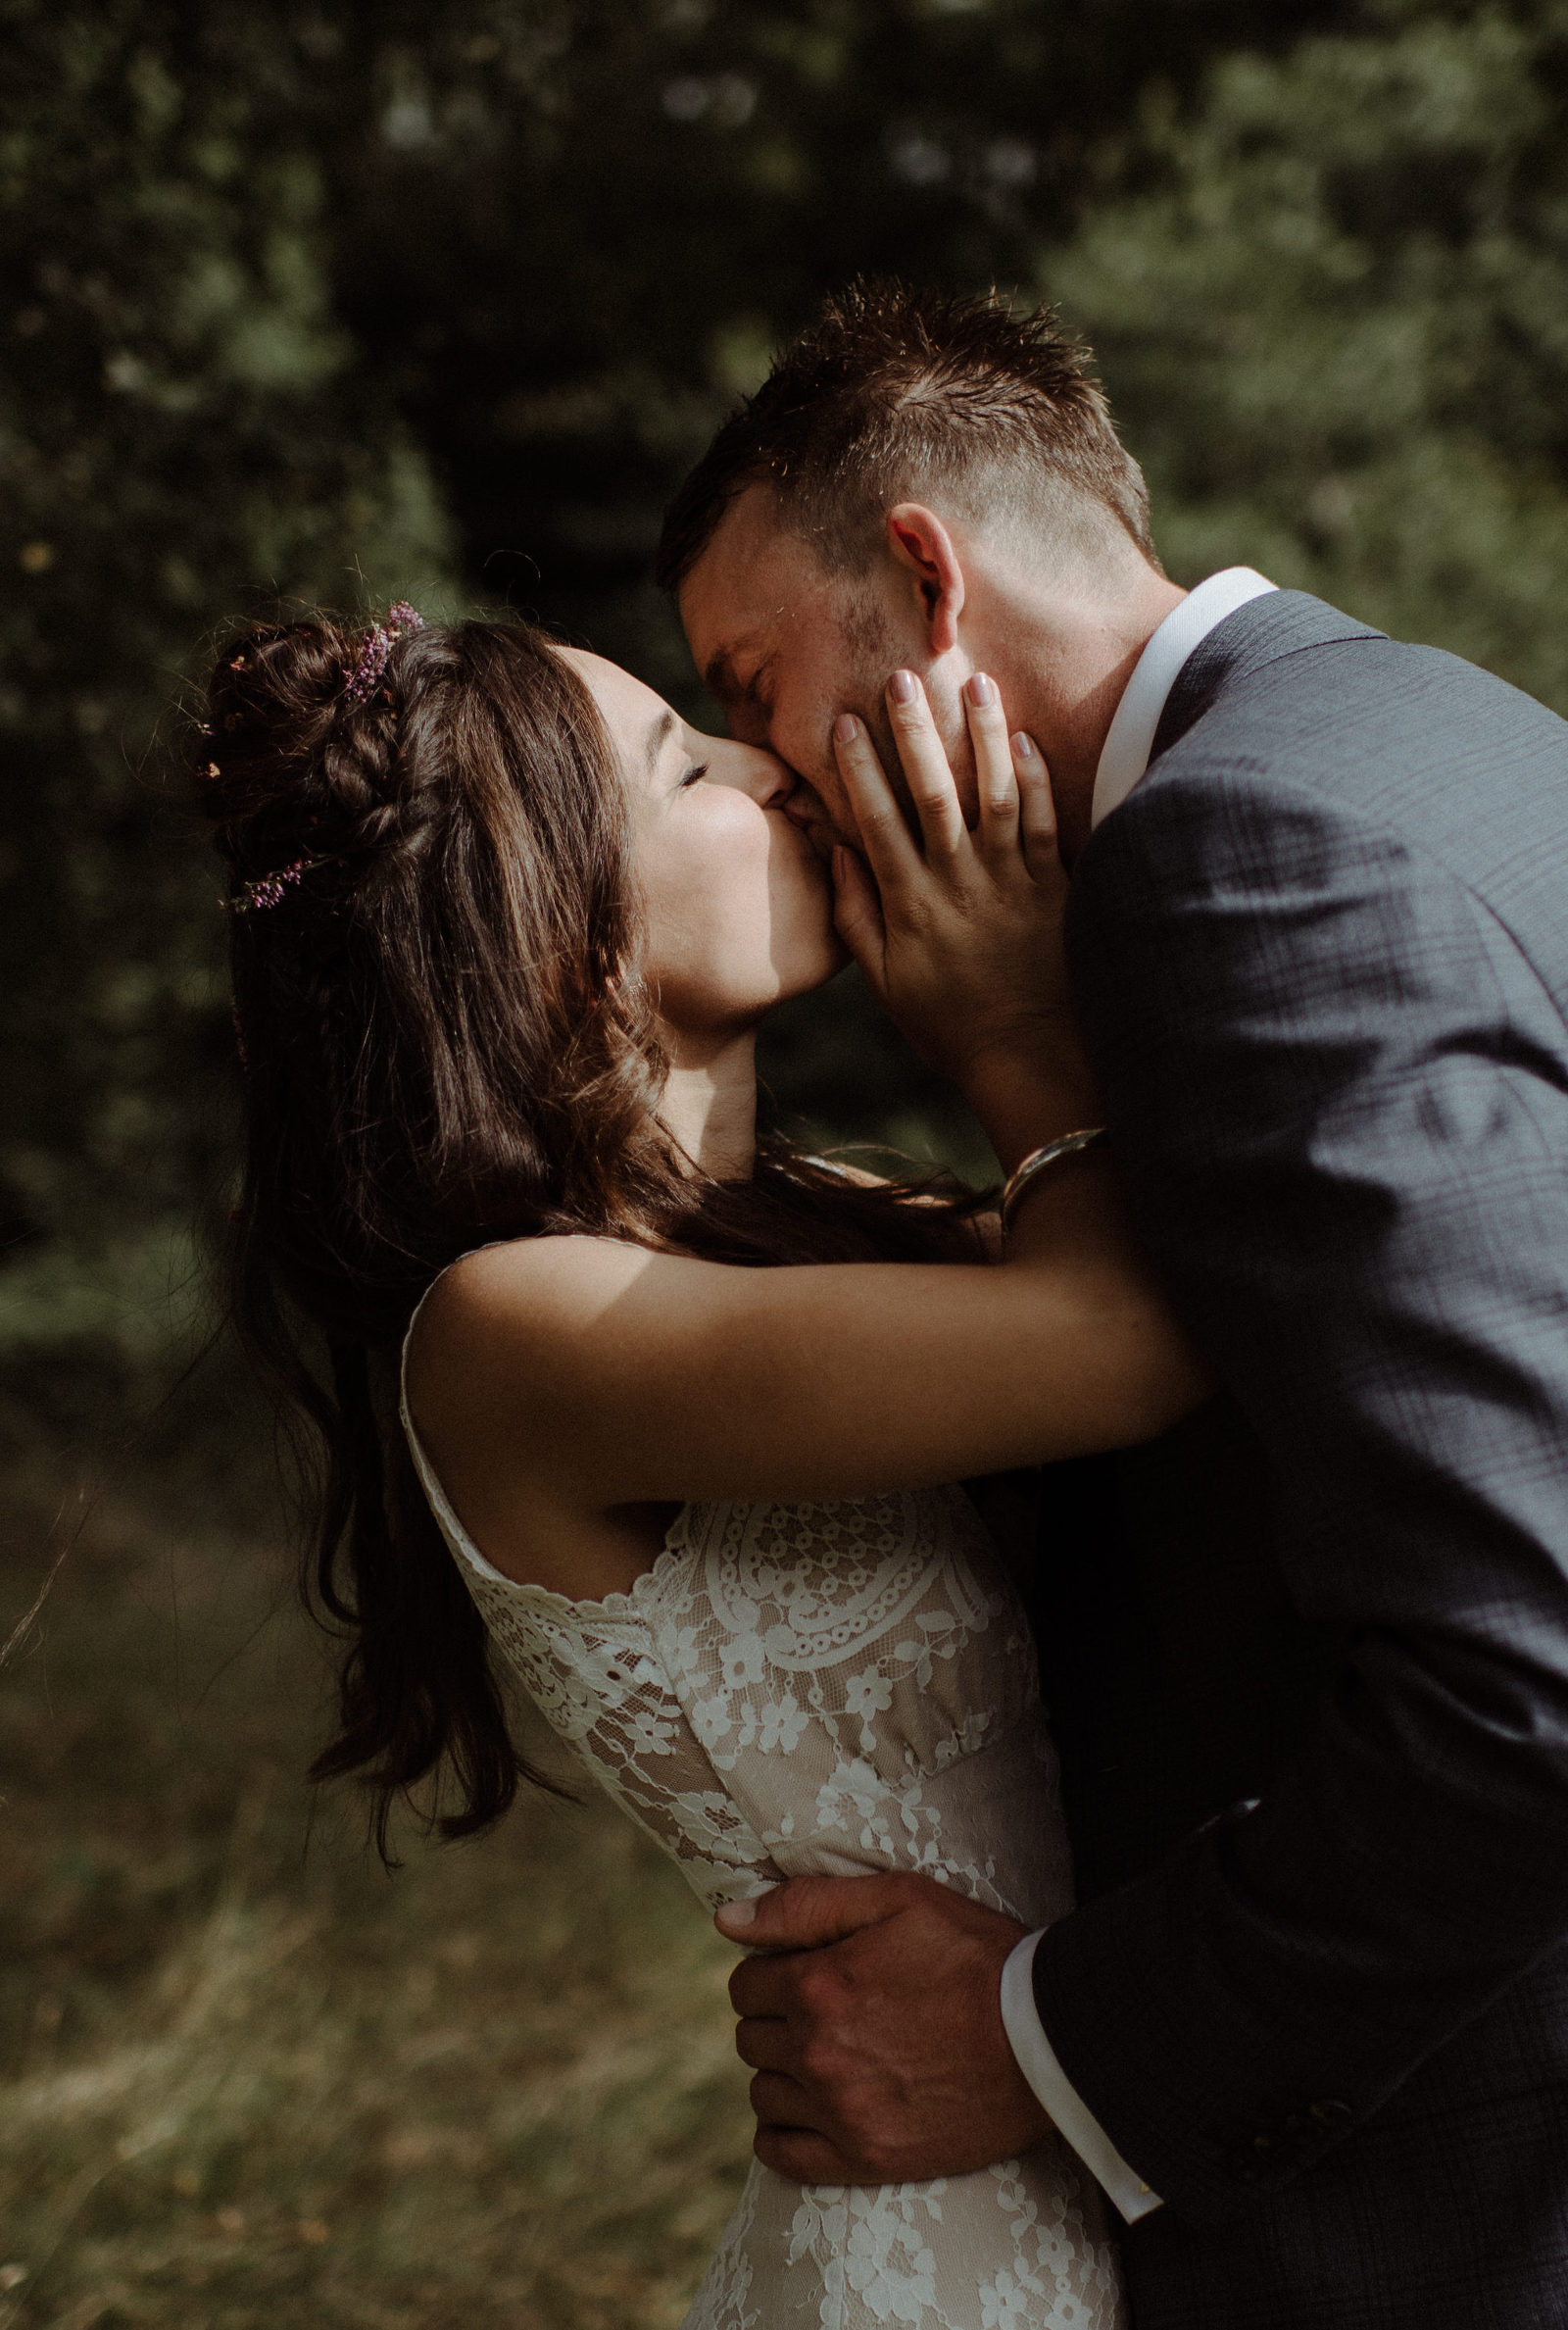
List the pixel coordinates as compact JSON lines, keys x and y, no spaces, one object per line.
{"x":695,"y":775}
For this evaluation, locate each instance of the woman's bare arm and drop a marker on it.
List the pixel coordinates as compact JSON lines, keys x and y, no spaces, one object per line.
{"x":600,"y":1374}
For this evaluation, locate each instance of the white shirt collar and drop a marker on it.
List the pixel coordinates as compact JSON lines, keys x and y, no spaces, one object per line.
{"x":1130,"y":739}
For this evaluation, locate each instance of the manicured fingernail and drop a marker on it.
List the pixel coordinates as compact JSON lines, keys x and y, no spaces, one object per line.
{"x":846,"y":728}
{"x":903,"y":687}
{"x":735,"y":1916}
{"x":1022,"y":749}
{"x":981,"y":688}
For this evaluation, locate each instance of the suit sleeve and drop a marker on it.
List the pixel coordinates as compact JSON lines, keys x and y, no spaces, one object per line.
{"x":1340,"y":1101}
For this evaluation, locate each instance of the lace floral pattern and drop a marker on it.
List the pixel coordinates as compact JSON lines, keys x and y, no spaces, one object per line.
{"x":833,"y":1689}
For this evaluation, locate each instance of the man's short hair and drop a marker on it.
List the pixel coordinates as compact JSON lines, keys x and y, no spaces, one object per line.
{"x":896,"y":395}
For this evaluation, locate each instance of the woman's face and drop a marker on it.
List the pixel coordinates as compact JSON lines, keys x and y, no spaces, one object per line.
{"x":737,"y":909}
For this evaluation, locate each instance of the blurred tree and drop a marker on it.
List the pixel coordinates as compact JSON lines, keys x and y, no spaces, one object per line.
{"x":183,"y":426}
{"x":1333,"y":319}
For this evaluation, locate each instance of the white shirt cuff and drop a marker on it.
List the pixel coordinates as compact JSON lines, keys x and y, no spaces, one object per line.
{"x":1037,"y":2061}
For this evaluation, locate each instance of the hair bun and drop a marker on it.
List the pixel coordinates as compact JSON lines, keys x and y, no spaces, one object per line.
{"x":299,"y":742}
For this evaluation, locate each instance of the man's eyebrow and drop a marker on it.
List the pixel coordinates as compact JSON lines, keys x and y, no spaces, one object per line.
{"x":659,"y":735}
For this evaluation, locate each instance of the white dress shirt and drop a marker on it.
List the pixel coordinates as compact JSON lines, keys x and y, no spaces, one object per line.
{"x":1130,"y":738}
{"x":1129,"y":741}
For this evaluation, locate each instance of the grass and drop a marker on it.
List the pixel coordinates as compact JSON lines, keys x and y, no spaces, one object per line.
{"x":246,"y":2079}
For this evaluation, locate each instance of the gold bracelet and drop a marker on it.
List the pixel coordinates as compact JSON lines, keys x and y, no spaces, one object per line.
{"x":1040,"y":1161}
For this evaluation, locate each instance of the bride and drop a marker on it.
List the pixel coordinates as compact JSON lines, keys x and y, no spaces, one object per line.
{"x":681,"y":1409}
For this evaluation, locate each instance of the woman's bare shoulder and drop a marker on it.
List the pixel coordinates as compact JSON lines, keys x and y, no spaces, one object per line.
{"x":519,"y":1292}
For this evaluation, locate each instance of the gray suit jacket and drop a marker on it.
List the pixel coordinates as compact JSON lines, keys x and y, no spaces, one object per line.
{"x":1322,"y":960}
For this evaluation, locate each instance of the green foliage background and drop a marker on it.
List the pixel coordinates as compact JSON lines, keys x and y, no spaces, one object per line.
{"x":339,"y":300}
{"x":325,"y":299}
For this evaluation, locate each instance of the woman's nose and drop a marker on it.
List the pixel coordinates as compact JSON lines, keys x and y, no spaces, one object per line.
{"x":768,"y":781}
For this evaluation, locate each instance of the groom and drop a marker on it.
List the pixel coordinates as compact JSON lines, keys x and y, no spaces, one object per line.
{"x":1309,"y":1657}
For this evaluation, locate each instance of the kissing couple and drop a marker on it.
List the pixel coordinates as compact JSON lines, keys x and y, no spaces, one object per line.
{"x":1164,"y":1923}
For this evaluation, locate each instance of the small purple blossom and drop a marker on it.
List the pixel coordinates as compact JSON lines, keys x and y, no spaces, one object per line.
{"x":270,"y":888}
{"x":361,"y":681}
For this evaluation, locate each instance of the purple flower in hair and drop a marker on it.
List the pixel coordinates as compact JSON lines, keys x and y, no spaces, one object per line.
{"x":270,"y":888}
{"x":359,"y":682}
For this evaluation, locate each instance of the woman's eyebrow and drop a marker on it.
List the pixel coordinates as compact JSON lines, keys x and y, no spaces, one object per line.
{"x":658,"y":736}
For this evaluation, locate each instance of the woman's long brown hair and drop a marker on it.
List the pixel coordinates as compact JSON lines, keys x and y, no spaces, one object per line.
{"x":446,"y":1043}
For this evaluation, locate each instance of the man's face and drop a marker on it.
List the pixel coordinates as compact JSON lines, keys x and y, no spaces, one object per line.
{"x":785,"y":647}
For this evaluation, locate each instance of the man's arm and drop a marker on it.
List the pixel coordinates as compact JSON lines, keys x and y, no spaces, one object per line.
{"x":1338,"y":1095}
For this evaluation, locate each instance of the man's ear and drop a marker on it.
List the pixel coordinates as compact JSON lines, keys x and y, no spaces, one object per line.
{"x":920,"y":542}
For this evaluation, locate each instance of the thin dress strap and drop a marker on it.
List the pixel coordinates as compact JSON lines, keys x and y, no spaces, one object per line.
{"x":447,"y":1521}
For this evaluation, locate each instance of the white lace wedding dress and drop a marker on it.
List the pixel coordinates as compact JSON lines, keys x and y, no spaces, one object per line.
{"x":833,"y":1689}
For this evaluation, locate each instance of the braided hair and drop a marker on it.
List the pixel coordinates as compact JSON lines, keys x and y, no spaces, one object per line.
{"x":434,"y":959}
